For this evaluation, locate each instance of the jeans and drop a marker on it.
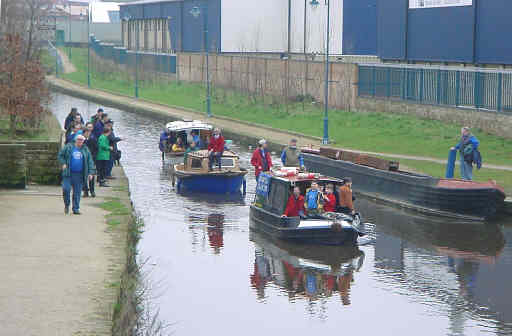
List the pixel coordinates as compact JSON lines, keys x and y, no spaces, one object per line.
{"x":466,"y":169}
{"x":110,"y":166}
{"x":89,"y":186}
{"x":101,"y":167}
{"x":215,"y":156}
{"x":74,"y":181}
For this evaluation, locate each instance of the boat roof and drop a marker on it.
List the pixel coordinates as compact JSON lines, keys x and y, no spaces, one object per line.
{"x":204,"y":154}
{"x":185,"y":125}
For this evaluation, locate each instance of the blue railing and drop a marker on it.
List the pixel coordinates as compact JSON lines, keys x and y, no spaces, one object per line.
{"x":479,"y":89}
{"x":150,"y":61}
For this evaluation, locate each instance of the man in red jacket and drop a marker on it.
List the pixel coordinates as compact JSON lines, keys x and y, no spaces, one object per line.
{"x":215,"y":149}
{"x":295,"y":205}
{"x":261,"y":159}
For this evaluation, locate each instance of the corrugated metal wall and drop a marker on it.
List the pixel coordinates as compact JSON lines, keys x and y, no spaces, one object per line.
{"x":466,"y":34}
{"x":360,"y":27}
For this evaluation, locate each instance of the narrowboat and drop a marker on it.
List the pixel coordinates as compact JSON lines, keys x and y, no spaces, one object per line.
{"x":183,"y":129}
{"x":383,"y":180}
{"x":193,"y":175}
{"x":272,"y":193}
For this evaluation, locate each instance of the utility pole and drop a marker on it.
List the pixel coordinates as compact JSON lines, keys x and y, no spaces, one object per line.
{"x":207,"y":48}
{"x":69,"y":27}
{"x":88,"y":48}
{"x":137,"y":60}
{"x":325,"y":139}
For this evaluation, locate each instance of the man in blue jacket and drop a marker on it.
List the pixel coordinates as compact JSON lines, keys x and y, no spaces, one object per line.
{"x":467,"y":145}
{"x":100,"y":125}
{"x":292,"y":156}
{"x":77,"y":169}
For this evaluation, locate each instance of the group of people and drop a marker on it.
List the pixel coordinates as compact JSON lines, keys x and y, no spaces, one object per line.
{"x":181,"y":142}
{"x":318,"y":200}
{"x":91,"y":149}
{"x":261,"y":159}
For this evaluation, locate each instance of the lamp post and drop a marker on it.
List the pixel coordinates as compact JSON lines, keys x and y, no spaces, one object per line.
{"x":88,"y":48}
{"x":196,"y":12}
{"x":69,"y":28}
{"x":127,"y":18}
{"x":325,"y":139}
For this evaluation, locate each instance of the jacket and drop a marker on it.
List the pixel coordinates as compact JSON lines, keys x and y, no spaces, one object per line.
{"x":103,"y":148}
{"x":330,"y":203}
{"x":164,"y":141}
{"x":98,"y":129}
{"x":467,"y":152}
{"x":64,"y":158}
{"x":294,"y":207}
{"x":257,"y":161}
{"x":345,"y":197}
{"x":92,"y":145}
{"x":216,"y":145}
{"x":292,"y":157}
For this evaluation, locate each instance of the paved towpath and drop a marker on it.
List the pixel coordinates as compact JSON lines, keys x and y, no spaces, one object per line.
{"x":259,"y":131}
{"x":67,"y":66}
{"x":57,"y":271}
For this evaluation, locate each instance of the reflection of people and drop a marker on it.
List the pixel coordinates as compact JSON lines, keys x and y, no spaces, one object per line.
{"x":261,"y":159}
{"x":215,"y":149}
{"x":216,"y":232}
{"x":344,"y":287}
{"x":262,"y":275}
{"x":295,"y":205}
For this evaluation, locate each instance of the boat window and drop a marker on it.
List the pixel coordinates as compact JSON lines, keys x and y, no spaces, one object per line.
{"x":278,"y":197}
{"x":228,"y":162}
{"x":197,"y":163}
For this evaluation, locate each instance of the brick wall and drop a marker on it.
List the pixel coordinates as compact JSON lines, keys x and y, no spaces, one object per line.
{"x":12,"y":166}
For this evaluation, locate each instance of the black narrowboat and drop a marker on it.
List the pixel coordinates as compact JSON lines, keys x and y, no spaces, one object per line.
{"x":272,"y":193}
{"x":382,"y":180}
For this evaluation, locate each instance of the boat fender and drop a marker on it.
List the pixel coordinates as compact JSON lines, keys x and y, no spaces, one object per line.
{"x":336,"y":227}
{"x":308,"y":175}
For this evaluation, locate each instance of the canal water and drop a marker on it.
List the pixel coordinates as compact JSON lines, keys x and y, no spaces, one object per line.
{"x":211,"y":276}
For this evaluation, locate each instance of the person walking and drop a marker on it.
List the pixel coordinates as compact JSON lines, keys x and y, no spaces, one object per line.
{"x":77,"y":169}
{"x":103,"y":157}
{"x":99,"y":126}
{"x":70,"y":118}
{"x":467,"y":147}
{"x":215,"y":149}
{"x":92,"y":145}
{"x":261,"y":159}
{"x":98,"y":116}
{"x":292,"y":156}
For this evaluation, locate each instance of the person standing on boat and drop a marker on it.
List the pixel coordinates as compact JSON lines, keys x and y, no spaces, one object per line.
{"x":261,"y":159}
{"x":345,"y":197}
{"x":196,"y":139}
{"x":313,"y":200}
{"x":295,"y":205}
{"x":215,"y":149}
{"x":467,"y":145}
{"x":77,"y":169}
{"x":329,"y":199}
{"x":292,"y":156}
{"x":164,"y":143}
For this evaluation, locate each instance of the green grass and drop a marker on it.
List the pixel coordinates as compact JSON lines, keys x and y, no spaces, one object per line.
{"x":115,"y":207}
{"x":378,"y":132}
{"x":42,"y":134}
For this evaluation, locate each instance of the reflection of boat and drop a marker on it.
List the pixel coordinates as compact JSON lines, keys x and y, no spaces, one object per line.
{"x":375,"y":178}
{"x":183,"y":129}
{"x":272,"y":193}
{"x":304,"y":271}
{"x":193,"y":175}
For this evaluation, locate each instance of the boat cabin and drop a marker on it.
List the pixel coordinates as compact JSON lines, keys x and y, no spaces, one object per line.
{"x":183,"y":129}
{"x":273,"y":191}
{"x":198,"y":162}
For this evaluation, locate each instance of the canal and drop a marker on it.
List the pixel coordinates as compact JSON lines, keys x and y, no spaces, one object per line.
{"x":211,"y":275}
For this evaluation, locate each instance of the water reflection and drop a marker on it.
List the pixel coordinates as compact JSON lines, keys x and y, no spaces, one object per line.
{"x":302,"y":271}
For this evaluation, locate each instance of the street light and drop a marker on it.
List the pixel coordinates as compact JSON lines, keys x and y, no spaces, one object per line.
{"x":128,"y":18}
{"x":88,"y":48}
{"x":69,"y":27}
{"x":325,"y":139}
{"x":196,"y":12}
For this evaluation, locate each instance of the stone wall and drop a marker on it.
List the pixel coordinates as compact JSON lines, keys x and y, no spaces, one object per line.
{"x":41,"y":160}
{"x":12,"y":166}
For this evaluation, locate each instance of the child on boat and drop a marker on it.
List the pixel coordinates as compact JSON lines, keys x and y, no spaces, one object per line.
{"x":178,"y":146}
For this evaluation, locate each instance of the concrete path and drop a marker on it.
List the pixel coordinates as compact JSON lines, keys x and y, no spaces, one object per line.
{"x":57,"y":270}
{"x":237,"y":126}
{"x":67,"y":66}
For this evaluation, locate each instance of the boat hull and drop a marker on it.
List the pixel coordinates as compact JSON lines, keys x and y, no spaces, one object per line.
{"x":285,"y":229}
{"x":209,"y":183}
{"x":415,"y":191}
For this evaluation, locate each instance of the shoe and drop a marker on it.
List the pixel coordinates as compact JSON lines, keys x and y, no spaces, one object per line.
{"x":66,"y":209}
{"x":86,"y":194}
{"x":77,"y":212}
{"x":110,"y":177}
{"x":93,"y":194}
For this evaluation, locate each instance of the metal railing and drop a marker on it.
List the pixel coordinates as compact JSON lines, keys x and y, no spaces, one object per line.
{"x":52,"y":51}
{"x":489,"y":90}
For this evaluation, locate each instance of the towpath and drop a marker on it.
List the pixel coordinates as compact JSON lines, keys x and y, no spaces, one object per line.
{"x":67,"y":66}
{"x":59,"y":272}
{"x":237,"y":126}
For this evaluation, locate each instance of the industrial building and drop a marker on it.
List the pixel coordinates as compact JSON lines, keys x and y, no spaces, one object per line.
{"x":263,"y":26}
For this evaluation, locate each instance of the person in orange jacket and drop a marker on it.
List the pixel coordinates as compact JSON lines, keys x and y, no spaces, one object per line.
{"x":261,"y":159}
{"x":346,"y":203}
{"x":215,"y":149}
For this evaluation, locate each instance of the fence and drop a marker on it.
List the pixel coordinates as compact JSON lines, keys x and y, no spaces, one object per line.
{"x":150,"y":61}
{"x":483,"y":89}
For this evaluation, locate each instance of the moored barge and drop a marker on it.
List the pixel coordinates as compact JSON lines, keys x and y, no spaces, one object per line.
{"x":382,"y":180}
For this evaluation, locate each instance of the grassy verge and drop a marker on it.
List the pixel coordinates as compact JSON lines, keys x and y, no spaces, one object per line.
{"x":377,"y":132}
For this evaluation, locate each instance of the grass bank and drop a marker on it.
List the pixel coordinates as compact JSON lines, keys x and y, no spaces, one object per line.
{"x":379,"y":132}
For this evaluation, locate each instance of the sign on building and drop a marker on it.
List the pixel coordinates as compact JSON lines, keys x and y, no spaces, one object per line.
{"x":439,"y":3}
